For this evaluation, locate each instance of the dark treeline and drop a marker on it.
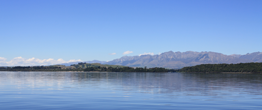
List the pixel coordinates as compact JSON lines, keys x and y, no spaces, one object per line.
{"x":30,"y":68}
{"x":129,"y":69}
{"x":241,"y":67}
{"x":91,"y":68}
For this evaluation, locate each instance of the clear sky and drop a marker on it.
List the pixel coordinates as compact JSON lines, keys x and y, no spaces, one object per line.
{"x":105,"y":29}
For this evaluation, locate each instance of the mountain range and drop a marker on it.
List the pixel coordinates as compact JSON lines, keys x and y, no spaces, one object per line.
{"x":176,"y":60}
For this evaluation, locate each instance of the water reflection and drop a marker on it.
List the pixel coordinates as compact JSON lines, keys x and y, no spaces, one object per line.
{"x":153,"y":83}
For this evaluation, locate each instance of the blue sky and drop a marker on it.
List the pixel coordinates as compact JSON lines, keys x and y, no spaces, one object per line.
{"x":94,"y":29}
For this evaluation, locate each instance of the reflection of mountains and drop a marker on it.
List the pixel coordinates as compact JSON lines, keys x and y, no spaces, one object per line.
{"x":184,"y":83}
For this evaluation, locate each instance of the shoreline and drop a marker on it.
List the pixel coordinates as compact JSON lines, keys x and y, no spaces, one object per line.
{"x":149,"y":72}
{"x":228,"y":72}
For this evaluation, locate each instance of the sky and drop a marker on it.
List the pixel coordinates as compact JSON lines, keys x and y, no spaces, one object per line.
{"x":35,"y":32}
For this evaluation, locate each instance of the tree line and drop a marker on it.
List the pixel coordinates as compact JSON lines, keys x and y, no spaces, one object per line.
{"x":89,"y":68}
{"x":128,"y":69}
{"x":30,"y":68}
{"x":241,"y":67}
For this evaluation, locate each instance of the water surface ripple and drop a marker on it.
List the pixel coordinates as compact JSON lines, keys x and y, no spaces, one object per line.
{"x":118,"y":91}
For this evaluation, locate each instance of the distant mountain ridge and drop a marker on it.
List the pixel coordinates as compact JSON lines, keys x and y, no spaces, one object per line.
{"x":182,"y":59}
{"x":93,"y":61}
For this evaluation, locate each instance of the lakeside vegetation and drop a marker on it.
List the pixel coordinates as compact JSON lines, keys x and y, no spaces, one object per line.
{"x":87,"y":67}
{"x":241,"y":67}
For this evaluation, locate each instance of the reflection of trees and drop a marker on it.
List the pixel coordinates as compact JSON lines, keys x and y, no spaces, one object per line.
{"x":193,"y":83}
{"x":251,"y":83}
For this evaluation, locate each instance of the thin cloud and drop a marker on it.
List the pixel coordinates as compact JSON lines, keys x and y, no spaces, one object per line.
{"x":112,"y":53}
{"x":20,"y":61}
{"x":149,"y":53}
{"x":2,"y":59}
{"x":127,"y":52}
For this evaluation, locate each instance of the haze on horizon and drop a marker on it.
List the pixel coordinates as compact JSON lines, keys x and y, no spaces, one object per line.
{"x":61,"y":31}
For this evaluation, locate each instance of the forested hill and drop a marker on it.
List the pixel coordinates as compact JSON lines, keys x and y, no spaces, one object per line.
{"x":241,"y":67}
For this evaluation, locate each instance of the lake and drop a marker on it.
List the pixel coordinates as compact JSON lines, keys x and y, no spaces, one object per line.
{"x":123,"y":91}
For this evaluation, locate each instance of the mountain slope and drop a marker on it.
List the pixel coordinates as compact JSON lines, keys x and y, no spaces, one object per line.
{"x":181,"y":59}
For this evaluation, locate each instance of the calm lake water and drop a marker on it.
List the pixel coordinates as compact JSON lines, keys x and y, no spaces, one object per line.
{"x":122,"y":91}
